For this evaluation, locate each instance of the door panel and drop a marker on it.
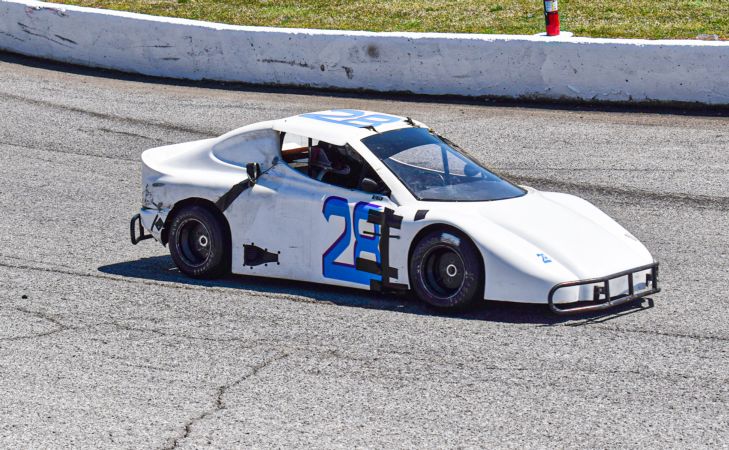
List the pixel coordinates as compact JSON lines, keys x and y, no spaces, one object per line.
{"x":315,"y":230}
{"x":271,"y":221}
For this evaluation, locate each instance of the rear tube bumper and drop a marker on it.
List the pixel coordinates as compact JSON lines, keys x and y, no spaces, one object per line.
{"x":136,"y":230}
{"x":610,"y":302}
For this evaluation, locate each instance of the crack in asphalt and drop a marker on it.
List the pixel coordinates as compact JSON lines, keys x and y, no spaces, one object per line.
{"x":219,"y":401}
{"x":333,"y":353}
{"x":126,"y":363}
{"x":663,"y":333}
{"x":27,"y":260}
{"x":60,"y":327}
{"x":562,"y":372}
{"x":328,"y":353}
{"x":120,"y":326}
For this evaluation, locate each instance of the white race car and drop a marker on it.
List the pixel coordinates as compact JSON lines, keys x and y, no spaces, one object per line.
{"x":381,"y":202}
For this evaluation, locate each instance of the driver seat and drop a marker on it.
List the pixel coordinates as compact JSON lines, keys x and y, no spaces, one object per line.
{"x":320,"y":163}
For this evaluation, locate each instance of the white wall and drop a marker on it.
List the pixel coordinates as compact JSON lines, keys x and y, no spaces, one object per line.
{"x":427,"y":63}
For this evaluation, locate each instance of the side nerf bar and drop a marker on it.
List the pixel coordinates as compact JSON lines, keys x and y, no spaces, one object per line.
{"x":610,"y":302}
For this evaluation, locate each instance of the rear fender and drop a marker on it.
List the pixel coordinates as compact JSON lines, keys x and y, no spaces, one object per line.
{"x":154,"y":221}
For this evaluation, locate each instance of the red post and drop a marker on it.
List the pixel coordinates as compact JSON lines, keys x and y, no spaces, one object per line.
{"x":551,"y":17}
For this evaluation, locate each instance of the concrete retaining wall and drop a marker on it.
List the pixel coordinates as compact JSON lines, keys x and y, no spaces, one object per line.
{"x":425,"y":63}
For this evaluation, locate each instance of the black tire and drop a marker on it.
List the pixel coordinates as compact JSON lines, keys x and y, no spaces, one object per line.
{"x":445,"y":270}
{"x":199,"y":244}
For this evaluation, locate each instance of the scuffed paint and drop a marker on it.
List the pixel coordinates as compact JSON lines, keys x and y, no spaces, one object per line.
{"x":149,"y":200}
{"x":56,"y":9}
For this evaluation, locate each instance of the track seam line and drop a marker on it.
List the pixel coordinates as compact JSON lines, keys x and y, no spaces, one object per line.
{"x":696,"y":201}
{"x":98,"y":115}
{"x":169,"y":284}
{"x":10,"y":144}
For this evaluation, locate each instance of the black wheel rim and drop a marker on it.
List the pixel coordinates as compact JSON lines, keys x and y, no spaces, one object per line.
{"x":193,"y":242}
{"x":443,"y":271}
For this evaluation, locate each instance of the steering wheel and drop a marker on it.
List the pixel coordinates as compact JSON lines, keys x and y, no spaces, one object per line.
{"x":326,"y":170}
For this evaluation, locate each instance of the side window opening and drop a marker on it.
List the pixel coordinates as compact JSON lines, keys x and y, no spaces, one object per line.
{"x":295,"y":151}
{"x":332,"y":164}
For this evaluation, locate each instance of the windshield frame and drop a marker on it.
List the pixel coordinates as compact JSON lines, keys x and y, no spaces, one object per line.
{"x":459,"y":152}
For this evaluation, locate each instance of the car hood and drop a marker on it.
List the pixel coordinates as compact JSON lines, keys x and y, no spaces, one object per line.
{"x":560,"y":228}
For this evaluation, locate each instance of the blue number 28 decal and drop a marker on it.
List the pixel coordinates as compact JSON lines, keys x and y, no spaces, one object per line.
{"x":339,"y":207}
{"x":352,"y":117}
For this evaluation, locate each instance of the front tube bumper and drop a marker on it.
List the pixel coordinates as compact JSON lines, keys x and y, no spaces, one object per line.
{"x":651,"y":284}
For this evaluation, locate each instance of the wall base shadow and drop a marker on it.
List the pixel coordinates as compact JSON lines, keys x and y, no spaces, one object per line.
{"x":161,"y":268}
{"x":652,"y":107}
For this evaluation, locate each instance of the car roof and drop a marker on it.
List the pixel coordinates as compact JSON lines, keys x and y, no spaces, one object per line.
{"x":339,"y":126}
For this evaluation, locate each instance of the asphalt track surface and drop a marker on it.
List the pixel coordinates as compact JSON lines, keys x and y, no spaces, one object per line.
{"x":103,"y":344}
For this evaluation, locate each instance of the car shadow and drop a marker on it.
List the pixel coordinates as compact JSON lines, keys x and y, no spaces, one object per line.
{"x":162,"y":269}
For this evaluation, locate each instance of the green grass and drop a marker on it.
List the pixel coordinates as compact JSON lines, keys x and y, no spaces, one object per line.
{"x":651,"y":19}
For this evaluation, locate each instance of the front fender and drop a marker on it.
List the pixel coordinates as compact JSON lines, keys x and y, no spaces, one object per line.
{"x":514,"y":269}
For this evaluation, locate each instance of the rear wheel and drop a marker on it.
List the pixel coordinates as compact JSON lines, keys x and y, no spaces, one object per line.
{"x":445,"y":270}
{"x":198,"y":243}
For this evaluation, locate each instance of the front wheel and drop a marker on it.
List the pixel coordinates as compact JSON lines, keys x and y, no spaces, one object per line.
{"x":445,"y":270}
{"x":198,"y":243}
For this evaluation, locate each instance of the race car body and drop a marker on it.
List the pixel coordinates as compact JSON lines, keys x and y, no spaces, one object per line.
{"x":376,"y":201}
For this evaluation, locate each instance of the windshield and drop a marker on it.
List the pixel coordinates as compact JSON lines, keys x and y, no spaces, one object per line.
{"x":433,"y":170}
